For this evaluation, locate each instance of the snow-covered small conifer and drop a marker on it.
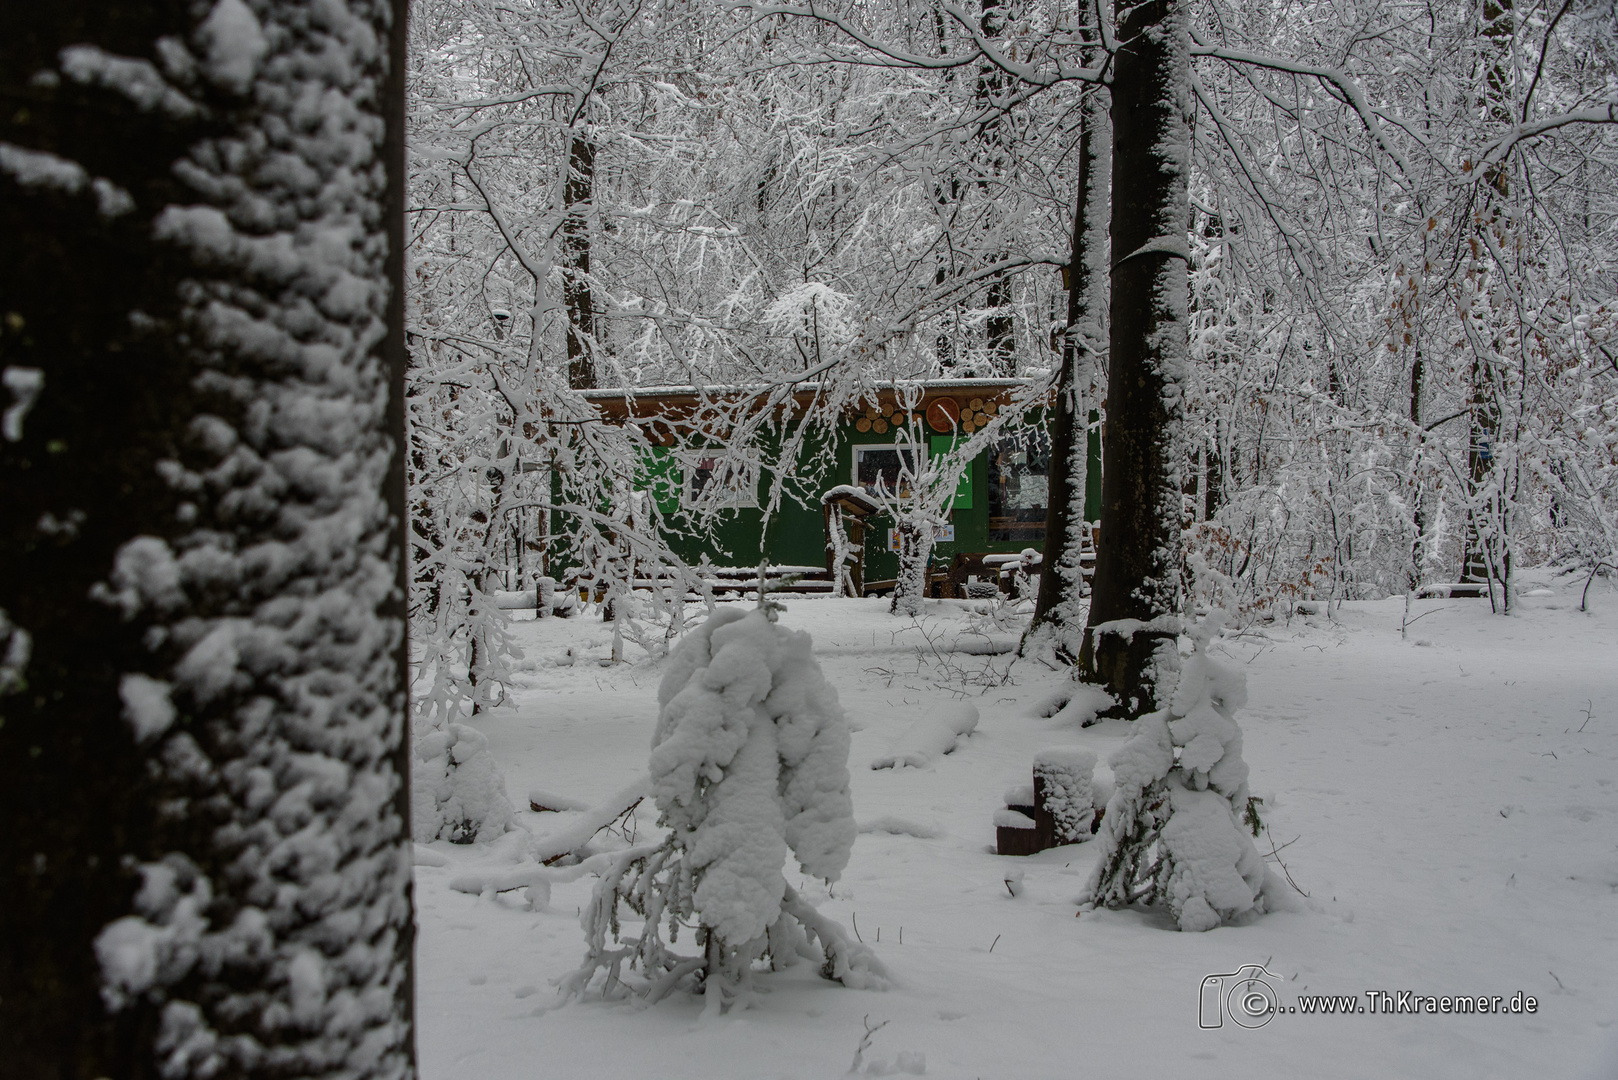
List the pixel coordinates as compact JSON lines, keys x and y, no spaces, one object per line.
{"x":456,"y":791}
{"x":1174,"y":828}
{"x":749,"y":760}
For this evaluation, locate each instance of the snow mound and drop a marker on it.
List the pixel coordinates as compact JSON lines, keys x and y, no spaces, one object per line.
{"x":898,"y":826}
{"x":1051,"y":702}
{"x":1007,"y":818}
{"x":1020,"y":795}
{"x":542,"y":800}
{"x":931,"y":737}
{"x":1082,"y":707}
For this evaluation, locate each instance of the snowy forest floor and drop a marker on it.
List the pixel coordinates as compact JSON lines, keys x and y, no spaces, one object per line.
{"x":1449,"y":803}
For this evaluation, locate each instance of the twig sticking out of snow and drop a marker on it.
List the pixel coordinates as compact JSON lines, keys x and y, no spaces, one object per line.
{"x":1275,"y":853}
{"x":865,"y":1043}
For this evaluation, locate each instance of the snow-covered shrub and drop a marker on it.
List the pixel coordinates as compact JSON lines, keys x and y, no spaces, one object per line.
{"x":1173,"y":830}
{"x":462,"y":656}
{"x":749,"y":759}
{"x":456,"y":791}
{"x":1062,"y":787}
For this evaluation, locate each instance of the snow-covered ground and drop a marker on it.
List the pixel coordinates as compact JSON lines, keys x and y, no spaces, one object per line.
{"x":1448,"y":801}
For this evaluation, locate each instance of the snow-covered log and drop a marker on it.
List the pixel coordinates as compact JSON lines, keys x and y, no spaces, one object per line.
{"x":568,"y":840}
{"x":931,"y":737}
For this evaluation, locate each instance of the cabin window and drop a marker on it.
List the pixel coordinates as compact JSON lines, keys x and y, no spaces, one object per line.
{"x":882,"y":462}
{"x":737,"y":482}
{"x":1019,"y":485}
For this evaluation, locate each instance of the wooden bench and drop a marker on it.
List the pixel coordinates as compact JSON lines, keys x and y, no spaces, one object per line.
{"x":1469,"y":590}
{"x":726,"y":581}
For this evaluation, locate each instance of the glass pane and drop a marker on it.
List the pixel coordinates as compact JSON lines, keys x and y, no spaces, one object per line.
{"x":701,"y":475}
{"x":873,"y":463}
{"x":735,"y":480}
{"x":1019,"y":482}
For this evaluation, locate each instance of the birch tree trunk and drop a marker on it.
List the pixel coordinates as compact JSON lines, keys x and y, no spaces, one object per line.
{"x":1138,"y":560}
{"x":204,"y":864}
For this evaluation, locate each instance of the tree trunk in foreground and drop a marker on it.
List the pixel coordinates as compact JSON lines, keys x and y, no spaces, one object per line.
{"x":1138,"y":561}
{"x":204,"y":864}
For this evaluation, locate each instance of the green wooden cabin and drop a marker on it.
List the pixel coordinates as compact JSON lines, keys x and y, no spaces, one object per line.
{"x":999,"y":506}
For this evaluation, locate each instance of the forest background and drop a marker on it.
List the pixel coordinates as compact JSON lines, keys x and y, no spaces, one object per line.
{"x":1399,"y":262}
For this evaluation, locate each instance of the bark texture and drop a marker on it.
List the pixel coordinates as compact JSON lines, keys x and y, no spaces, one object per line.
{"x":577,"y":194}
{"x":1138,"y":560}
{"x":204,"y":868}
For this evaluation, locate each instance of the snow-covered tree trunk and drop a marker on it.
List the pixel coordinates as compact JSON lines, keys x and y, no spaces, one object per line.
{"x":917,"y":503}
{"x":1058,"y":610}
{"x":915,"y":550}
{"x":204,"y":869}
{"x":841,"y":552}
{"x":578,"y":192}
{"x":1136,"y":595}
{"x":1000,"y":328}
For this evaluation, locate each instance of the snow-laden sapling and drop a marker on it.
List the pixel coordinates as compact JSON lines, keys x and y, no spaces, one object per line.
{"x":456,"y":790}
{"x":1173,"y":832}
{"x":749,"y":759}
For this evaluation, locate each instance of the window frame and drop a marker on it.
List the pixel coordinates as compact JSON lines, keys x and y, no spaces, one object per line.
{"x":1019,"y":530}
{"x":889,"y":447}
